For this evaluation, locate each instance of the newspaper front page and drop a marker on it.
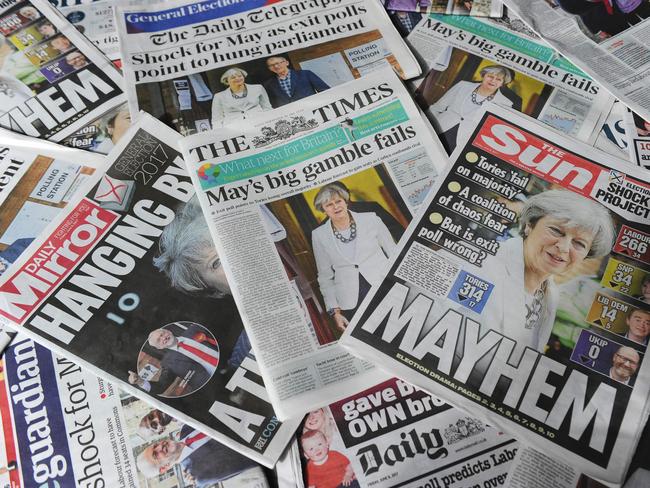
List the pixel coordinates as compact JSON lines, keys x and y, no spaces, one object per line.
{"x":63,"y":426}
{"x":112,"y":282}
{"x":53,"y":81}
{"x":608,"y":39}
{"x":470,"y":61}
{"x":267,"y":190}
{"x":198,"y":65}
{"x":521,"y":292}
{"x":394,"y":434}
{"x":638,"y":138}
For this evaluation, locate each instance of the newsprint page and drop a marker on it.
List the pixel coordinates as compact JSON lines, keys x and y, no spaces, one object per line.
{"x":195,"y":65}
{"x":519,"y":292}
{"x":108,"y":282}
{"x":608,"y":39}
{"x":360,"y":155}
{"x":53,"y":81}
{"x":62,"y":426}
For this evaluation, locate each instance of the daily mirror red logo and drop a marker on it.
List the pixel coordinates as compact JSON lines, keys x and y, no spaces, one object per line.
{"x":536,"y":156}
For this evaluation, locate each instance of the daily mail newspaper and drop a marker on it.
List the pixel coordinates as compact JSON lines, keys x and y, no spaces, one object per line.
{"x":305,"y":205}
{"x":112,"y":282}
{"x":522,"y":292}
{"x":394,"y":434}
{"x":53,"y":81}
{"x":63,"y":426}
{"x":197,"y":65}
{"x":607,"y":39}
{"x":478,"y":8}
{"x":470,"y":61}
{"x":638,"y":138}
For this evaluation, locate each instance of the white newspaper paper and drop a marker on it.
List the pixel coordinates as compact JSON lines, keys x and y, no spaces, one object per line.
{"x":359,"y":153}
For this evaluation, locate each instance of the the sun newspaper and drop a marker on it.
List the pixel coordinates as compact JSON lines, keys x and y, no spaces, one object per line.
{"x":53,"y":82}
{"x":521,"y":292}
{"x":607,"y":39}
{"x":393,"y":434}
{"x":126,"y":281}
{"x":267,"y":187}
{"x":198,"y":65}
{"x":468,"y":61}
{"x":63,"y":426}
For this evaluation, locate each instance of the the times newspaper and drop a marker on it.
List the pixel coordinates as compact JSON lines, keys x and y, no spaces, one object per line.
{"x":53,"y":81}
{"x":393,"y":434}
{"x":268,"y":189}
{"x":522,"y":293}
{"x":607,"y":39}
{"x":126,"y":279}
{"x":637,"y":130}
{"x":478,"y":8}
{"x":63,"y":426}
{"x":468,"y":61}
{"x":198,"y":65}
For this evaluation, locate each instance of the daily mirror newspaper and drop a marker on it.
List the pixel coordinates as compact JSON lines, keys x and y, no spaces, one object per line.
{"x":53,"y":81}
{"x":109,"y":283}
{"x":394,"y":434}
{"x":522,"y":292}
{"x":63,"y":427}
{"x":305,"y":206}
{"x":196,"y":65}
{"x":607,"y":39}
{"x":470,"y":61}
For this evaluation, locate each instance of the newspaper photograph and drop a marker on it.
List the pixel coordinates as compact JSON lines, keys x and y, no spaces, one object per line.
{"x":607,"y":39}
{"x":305,"y":206}
{"x":638,"y":138}
{"x":196,"y":65}
{"x":109,"y":281}
{"x":394,"y":434}
{"x":470,"y":61}
{"x":63,"y":426}
{"x":522,"y":292}
{"x":53,"y":81}
{"x":478,"y":8}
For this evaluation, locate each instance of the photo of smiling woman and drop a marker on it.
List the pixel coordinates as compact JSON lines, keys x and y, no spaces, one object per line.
{"x":558,"y":230}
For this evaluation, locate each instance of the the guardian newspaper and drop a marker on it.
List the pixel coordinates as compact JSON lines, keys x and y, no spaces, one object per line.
{"x":306,"y":205}
{"x":196,"y":65}
{"x":393,"y":434}
{"x":53,"y":81}
{"x":607,"y":39}
{"x":470,"y":61}
{"x":62,"y":426}
{"x":522,"y":292}
{"x":109,"y":283}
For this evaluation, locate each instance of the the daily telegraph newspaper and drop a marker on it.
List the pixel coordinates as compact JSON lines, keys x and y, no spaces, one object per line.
{"x":470,"y":61}
{"x":198,"y":65}
{"x":607,"y":39}
{"x":394,"y":434}
{"x":637,"y":130}
{"x":53,"y":81}
{"x":127,"y":281}
{"x":522,"y":291}
{"x":478,"y":8}
{"x":63,"y":426}
{"x":305,"y":205}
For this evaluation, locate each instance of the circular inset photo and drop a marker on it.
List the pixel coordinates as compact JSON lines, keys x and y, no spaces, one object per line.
{"x":176,"y":360}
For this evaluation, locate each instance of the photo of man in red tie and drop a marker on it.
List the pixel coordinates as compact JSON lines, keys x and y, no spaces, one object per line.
{"x":190,"y":352}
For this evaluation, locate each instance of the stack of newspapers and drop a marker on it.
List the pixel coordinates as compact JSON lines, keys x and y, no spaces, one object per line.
{"x":324,"y":243}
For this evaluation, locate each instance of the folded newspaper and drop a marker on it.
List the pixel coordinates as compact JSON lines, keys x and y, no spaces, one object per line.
{"x":53,"y":81}
{"x":470,"y":61}
{"x":393,"y":434}
{"x":478,"y":8}
{"x":522,"y":292}
{"x":607,"y":39}
{"x":108,"y":284}
{"x":197,"y":65}
{"x":305,"y":204}
{"x":63,"y":426}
